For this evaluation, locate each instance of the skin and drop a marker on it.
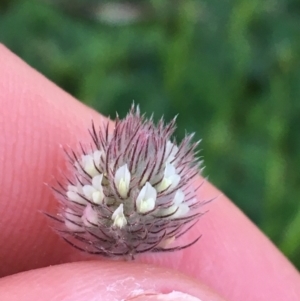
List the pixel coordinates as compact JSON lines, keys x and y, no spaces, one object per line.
{"x":232,"y":261}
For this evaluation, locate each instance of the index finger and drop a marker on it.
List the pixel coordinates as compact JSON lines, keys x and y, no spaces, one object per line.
{"x":232,"y":257}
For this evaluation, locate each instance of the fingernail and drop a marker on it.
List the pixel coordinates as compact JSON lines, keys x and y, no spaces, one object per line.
{"x":173,"y":296}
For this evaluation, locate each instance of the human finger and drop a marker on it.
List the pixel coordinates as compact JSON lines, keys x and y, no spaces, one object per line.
{"x":38,"y":117}
{"x":95,"y":280}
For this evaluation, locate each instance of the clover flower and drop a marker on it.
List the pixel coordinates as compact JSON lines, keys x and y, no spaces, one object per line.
{"x":131,"y":191}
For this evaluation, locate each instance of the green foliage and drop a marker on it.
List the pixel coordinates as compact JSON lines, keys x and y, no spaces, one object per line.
{"x":230,"y":68}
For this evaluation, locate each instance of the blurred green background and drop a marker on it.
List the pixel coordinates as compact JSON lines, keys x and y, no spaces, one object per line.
{"x":231,"y":69}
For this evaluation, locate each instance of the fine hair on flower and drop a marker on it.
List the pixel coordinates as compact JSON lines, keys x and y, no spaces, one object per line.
{"x":130,"y":191}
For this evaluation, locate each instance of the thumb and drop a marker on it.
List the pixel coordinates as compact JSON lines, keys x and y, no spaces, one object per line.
{"x":94,"y":280}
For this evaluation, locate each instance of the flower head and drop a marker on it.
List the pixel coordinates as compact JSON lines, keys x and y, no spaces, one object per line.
{"x":131,"y":191}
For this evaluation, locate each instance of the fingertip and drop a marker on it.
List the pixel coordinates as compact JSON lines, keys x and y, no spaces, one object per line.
{"x":96,"y":280}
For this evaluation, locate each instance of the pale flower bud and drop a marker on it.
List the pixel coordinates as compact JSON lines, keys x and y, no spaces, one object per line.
{"x":122,"y":180}
{"x":119,"y":218}
{"x":146,"y":199}
{"x":129,"y":191}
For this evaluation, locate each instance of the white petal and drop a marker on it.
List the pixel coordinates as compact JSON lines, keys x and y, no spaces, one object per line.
{"x":170,"y":180}
{"x":146,"y":205}
{"x":183,"y":209}
{"x":88,"y":191}
{"x":122,"y":173}
{"x":73,"y":196}
{"x":90,"y":216}
{"x":171,"y":151}
{"x":150,"y":191}
{"x":119,"y":218}
{"x":122,"y":180}
{"x":145,"y":201}
{"x":167,"y":211}
{"x":73,"y":227}
{"x":164,"y":184}
{"x":175,"y":179}
{"x":179,"y":197}
{"x":88,"y":165}
{"x":177,"y":203}
{"x":97,"y":180}
{"x":97,"y":156}
{"x":98,"y":197}
{"x":169,"y":146}
{"x":169,"y":170}
{"x":79,"y":188}
{"x":72,"y":188}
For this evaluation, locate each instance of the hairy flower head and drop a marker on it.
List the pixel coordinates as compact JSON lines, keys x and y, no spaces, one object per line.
{"x":131,"y":191}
